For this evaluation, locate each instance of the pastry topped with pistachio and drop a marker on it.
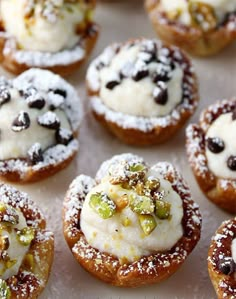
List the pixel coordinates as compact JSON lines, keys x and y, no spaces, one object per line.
{"x":142,"y":90}
{"x":131,"y":214}
{"x":194,"y":20}
{"x":50,"y":34}
{"x":26,"y":247}
{"x":39,"y":117}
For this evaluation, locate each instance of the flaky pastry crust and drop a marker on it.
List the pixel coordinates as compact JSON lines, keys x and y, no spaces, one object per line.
{"x":30,"y":280}
{"x":225,"y":285}
{"x":191,"y":39}
{"x":219,"y":190}
{"x":148,"y":269}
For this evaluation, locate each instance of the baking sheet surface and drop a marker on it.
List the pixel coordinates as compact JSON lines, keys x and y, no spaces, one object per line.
{"x":119,"y":21}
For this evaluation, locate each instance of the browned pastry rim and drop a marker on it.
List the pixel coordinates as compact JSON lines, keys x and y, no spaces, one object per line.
{"x":193,"y":40}
{"x":219,"y":190}
{"x":225,"y":285}
{"x":147,"y":270}
{"x":8,"y":61}
{"x":165,"y":127}
{"x":30,"y":282}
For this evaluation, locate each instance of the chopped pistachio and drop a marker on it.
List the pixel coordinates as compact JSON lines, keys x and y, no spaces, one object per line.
{"x":4,"y":243}
{"x":141,"y":204}
{"x":148,"y":224}
{"x":139,"y":188}
{"x":121,"y":202}
{"x":162,"y":209}
{"x":10,"y":263}
{"x":136,"y":167}
{"x":152,"y":183}
{"x":8,"y":214}
{"x":126,"y":186}
{"x":102,"y":205}
{"x":26,"y":235}
{"x":5,"y":292}
{"x":203,"y":15}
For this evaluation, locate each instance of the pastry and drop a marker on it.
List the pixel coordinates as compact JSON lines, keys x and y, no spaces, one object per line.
{"x":26,"y":247}
{"x":142,"y":90}
{"x":200,"y":27}
{"x":48,"y":34}
{"x":133,"y":224}
{"x":211,"y":148}
{"x":39,"y":118}
{"x":222,"y":260}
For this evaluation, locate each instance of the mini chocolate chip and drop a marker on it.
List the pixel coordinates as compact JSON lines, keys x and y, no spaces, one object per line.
{"x":232,"y":163}
{"x":112,"y":84}
{"x":30,"y":91}
{"x":63,"y":136}
{"x":60,"y":92}
{"x":5,"y":96}
{"x":162,"y":76}
{"x":21,"y":122}
{"x":160,"y":93}
{"x":35,"y":154}
{"x":215,"y":145}
{"x":140,"y":74}
{"x":234,"y":115}
{"x":227,"y":265}
{"x":49,"y":120}
{"x":149,"y":47}
{"x":36,"y":102}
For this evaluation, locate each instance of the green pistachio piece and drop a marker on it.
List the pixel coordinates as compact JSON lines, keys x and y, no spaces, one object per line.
{"x":102,"y":205}
{"x":141,"y":204}
{"x":26,"y":235}
{"x":148,"y":223}
{"x":203,"y":15}
{"x":8,"y":215}
{"x":162,"y":209}
{"x":153,"y":184}
{"x":10,"y":263}
{"x":5,"y":292}
{"x":136,"y":167}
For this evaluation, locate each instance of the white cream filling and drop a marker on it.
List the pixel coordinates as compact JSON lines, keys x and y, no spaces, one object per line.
{"x":136,"y":98}
{"x":39,"y":34}
{"x":223,"y":127}
{"x":16,"y":250}
{"x":233,"y":249}
{"x":16,"y":144}
{"x":221,"y":8}
{"x":129,"y":242}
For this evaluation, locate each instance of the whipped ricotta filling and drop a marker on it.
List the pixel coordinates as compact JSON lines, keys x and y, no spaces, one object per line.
{"x":180,"y":7}
{"x":39,"y":33}
{"x":16,"y":144}
{"x":128,"y":242}
{"x":136,"y":97}
{"x":224,"y":127}
{"x":16,"y":251}
{"x":233,"y":249}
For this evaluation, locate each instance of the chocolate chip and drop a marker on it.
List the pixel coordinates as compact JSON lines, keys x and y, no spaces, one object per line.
{"x":112,"y":84}
{"x":21,"y":122}
{"x":232,"y":163}
{"x":35,"y":154}
{"x":36,"y":102}
{"x":60,"y":92}
{"x":149,"y":46}
{"x":227,"y":266}
{"x":63,"y":136}
{"x":30,"y":91}
{"x":49,"y":120}
{"x":5,"y":96}
{"x":162,"y":73}
{"x":234,"y":115}
{"x":215,"y":145}
{"x":160,"y":93}
{"x":140,"y":74}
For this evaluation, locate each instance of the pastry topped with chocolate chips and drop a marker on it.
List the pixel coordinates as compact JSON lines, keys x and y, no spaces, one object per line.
{"x":56,"y":35}
{"x":137,"y":220}
{"x":211,"y":147}
{"x":222,"y":260}
{"x":200,"y":27}
{"x":142,"y":90}
{"x":39,"y":118}
{"x":26,"y":247}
